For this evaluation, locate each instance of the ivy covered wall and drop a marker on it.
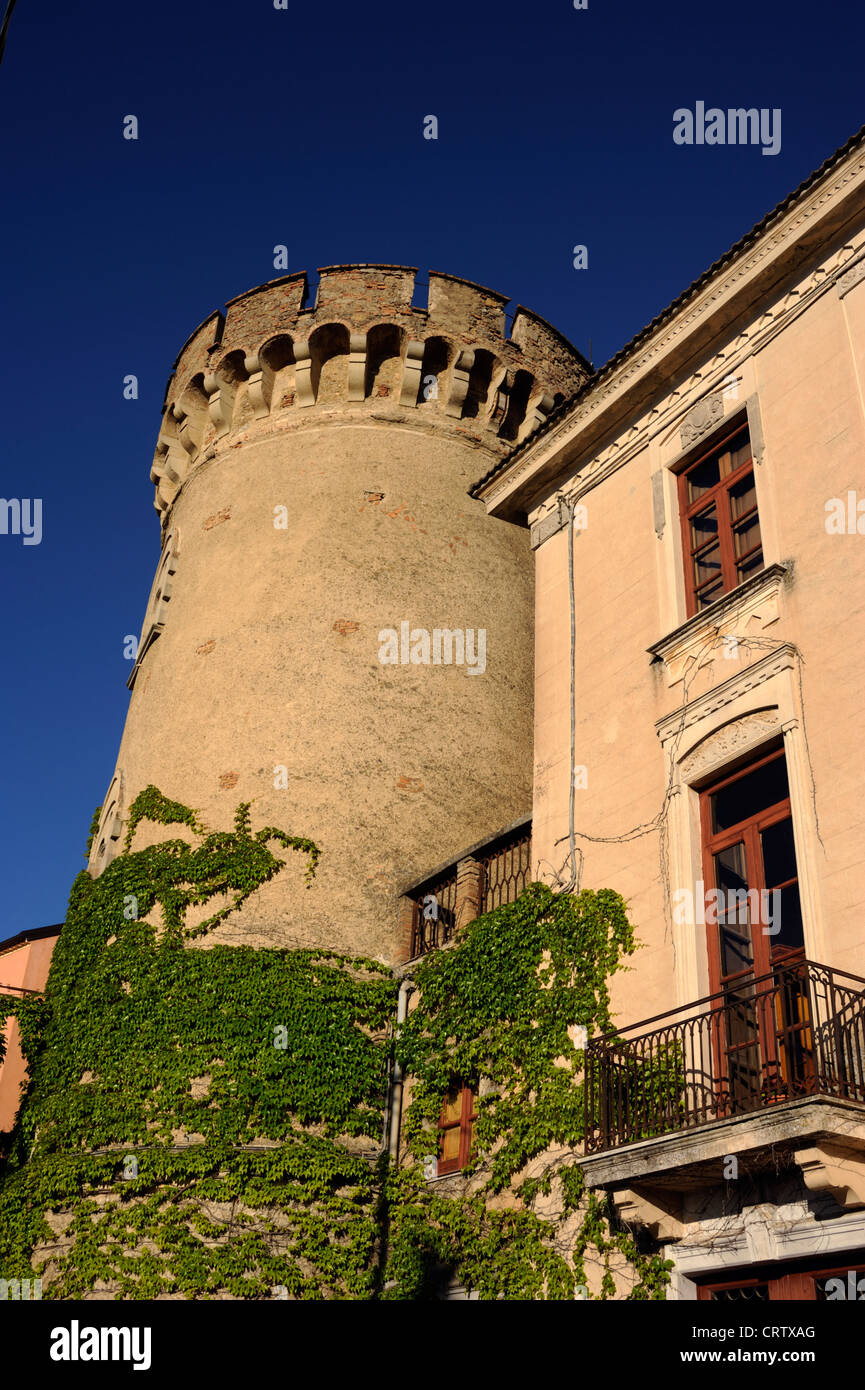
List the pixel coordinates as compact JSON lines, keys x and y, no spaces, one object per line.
{"x":204,"y":1119}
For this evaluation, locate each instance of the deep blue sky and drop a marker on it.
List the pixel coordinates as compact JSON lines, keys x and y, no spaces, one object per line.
{"x":261,"y":126}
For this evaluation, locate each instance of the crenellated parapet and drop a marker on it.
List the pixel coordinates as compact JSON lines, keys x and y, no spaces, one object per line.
{"x":365,"y":346}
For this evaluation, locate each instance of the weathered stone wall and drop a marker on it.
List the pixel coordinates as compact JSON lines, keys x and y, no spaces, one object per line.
{"x":311,"y":497}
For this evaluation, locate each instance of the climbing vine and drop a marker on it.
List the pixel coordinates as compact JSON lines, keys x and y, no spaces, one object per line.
{"x":195,"y":1119}
{"x":205,"y":1120}
{"x":507,"y":1011}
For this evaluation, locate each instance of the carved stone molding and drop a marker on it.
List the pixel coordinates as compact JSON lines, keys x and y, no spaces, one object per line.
{"x":744,"y":612}
{"x":106,"y":841}
{"x":755,"y":675}
{"x":851,"y":277}
{"x":836,"y":1170}
{"x":701,"y":419}
{"x":724,"y":744}
{"x":154,"y":618}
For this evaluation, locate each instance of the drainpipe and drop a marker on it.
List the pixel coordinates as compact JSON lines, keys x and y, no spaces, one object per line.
{"x":396,"y":1084}
{"x":572,"y":844}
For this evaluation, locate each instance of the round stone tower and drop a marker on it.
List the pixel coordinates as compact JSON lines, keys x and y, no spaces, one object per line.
{"x":337,"y":632}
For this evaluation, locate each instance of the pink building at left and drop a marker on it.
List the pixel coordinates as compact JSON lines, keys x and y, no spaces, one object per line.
{"x":24,"y":962}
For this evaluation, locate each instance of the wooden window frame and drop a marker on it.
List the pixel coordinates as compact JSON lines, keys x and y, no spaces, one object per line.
{"x":465,"y":1124}
{"x":777,"y":1032}
{"x":795,"y":1285}
{"x":719,"y":497}
{"x":747,"y":830}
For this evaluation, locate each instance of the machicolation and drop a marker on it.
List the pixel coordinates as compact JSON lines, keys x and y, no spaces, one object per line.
{"x":363,"y":347}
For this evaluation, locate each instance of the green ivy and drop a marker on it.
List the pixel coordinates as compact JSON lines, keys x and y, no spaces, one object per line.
{"x":207,"y":1120}
{"x":501,"y":1007}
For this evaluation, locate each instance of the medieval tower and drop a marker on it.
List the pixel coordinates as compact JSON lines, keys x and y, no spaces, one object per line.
{"x":312,"y":474}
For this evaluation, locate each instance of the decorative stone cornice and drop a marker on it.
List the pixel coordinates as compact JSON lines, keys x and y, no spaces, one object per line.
{"x":684,"y":347}
{"x":754,"y":675}
{"x":730,"y":616}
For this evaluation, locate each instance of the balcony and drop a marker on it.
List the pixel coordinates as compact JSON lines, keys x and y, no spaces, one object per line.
{"x":772,"y":1069}
{"x":488,"y":875}
{"x":798,"y":1031}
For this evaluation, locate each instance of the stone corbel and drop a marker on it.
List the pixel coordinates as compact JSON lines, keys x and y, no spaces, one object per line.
{"x":170,"y":460}
{"x":501,"y":395}
{"x":220,"y":405}
{"x":304,"y":394}
{"x":542,"y":409}
{"x":166,"y":491}
{"x":259,"y":385}
{"x":658,"y":510}
{"x":460,"y":383}
{"x":663,"y":1222}
{"x":411,"y":372}
{"x":835,"y":1170}
{"x":356,"y":366}
{"x":184,"y":432}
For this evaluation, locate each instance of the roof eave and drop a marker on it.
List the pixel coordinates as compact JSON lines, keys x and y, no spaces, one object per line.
{"x":820,"y":211}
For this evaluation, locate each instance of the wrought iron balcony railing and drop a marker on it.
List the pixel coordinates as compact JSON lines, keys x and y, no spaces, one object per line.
{"x":797,"y":1031}
{"x":505,"y":870}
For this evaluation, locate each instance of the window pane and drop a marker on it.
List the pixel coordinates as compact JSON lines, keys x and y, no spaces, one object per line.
{"x":452,"y":1107}
{"x":741,"y":452}
{"x":735,"y":454}
{"x":707,"y":565}
{"x":709,"y":594}
{"x":731,"y":874}
{"x":746,"y":536}
{"x":736,"y":950}
{"x":752,"y":565}
{"x":743,"y":497}
{"x":704,"y":528}
{"x":788,"y":916}
{"x":779,"y":853}
{"x":749,"y":795}
{"x":732,"y":912}
{"x":702,"y":477}
{"x":451,"y":1144}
